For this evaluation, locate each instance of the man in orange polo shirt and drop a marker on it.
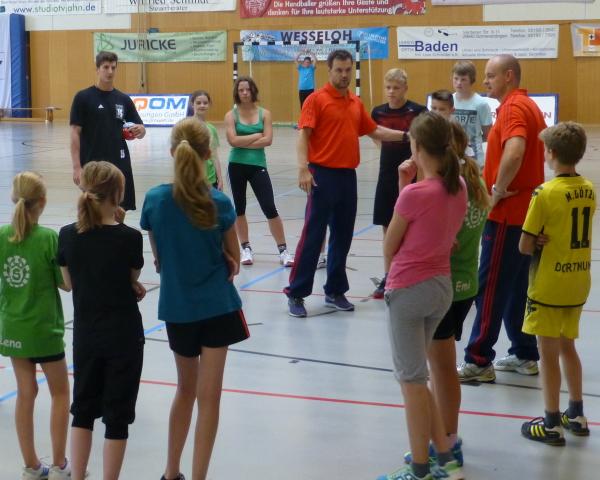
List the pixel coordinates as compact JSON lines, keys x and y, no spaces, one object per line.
{"x":514,"y":166}
{"x":331,"y":122}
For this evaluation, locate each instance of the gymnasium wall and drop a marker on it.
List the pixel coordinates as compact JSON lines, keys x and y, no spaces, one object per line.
{"x":62,"y":63}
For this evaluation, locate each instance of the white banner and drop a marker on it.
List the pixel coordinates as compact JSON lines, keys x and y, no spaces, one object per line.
{"x":161,"y":110}
{"x":5,"y":96}
{"x":155,"y":6}
{"x":51,"y":7}
{"x":522,"y":41}
{"x":548,"y":104}
{"x":490,"y":2}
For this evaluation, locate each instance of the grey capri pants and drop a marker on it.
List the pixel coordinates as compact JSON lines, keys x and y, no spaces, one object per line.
{"x":413,"y":315}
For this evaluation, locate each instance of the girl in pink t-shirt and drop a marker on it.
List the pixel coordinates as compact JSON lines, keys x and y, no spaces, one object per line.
{"x":427,"y":217}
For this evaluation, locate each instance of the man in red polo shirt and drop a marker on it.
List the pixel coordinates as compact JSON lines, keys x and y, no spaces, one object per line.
{"x":514,"y":167}
{"x":331,"y":122}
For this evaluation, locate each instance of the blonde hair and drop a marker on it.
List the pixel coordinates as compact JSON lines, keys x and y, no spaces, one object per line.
{"x":469,"y":168}
{"x":396,"y":75}
{"x":101,"y":182}
{"x":28,"y":190}
{"x":190,"y":146}
{"x":433,"y":133}
{"x":567,"y":140}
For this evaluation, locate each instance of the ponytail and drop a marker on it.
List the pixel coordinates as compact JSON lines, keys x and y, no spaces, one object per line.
{"x":477,"y":191}
{"x":102,"y":183}
{"x":450,"y":171}
{"x":28,"y":190}
{"x":190,"y":142}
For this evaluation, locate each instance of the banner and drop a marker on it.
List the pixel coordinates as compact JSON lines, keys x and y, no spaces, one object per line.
{"x":548,"y":104}
{"x":164,"y":47}
{"x":491,"y":2}
{"x":51,"y":7}
{"x":161,"y":110}
{"x":522,"y":41}
{"x":164,"y":6}
{"x":14,"y":82}
{"x":375,"y":42}
{"x":310,"y":8}
{"x":586,"y":39}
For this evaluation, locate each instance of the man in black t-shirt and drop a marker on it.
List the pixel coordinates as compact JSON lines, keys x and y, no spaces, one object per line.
{"x":397,"y":114}
{"x":98,"y":115}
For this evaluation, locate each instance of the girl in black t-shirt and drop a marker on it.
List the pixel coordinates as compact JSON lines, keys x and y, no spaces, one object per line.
{"x":102,"y":260}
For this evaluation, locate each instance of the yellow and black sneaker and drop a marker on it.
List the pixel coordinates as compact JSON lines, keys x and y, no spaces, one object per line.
{"x":577,"y":426}
{"x":537,"y":431}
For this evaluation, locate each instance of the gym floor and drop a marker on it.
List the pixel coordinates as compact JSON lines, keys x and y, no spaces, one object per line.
{"x":304,"y":399}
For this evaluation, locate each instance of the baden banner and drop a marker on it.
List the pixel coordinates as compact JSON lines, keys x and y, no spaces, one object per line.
{"x":522,"y":41}
{"x":161,"y":110}
{"x":164,"y":47}
{"x":375,"y":43}
{"x":164,"y":6}
{"x":586,"y":39}
{"x":310,"y":8}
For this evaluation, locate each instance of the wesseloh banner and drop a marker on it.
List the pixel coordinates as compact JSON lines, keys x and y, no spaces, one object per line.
{"x":311,"y":8}
{"x":522,"y":41}
{"x":164,"y":47}
{"x":374,"y":42}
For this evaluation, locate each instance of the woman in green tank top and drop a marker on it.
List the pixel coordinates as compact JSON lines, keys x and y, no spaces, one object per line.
{"x":249,"y":130}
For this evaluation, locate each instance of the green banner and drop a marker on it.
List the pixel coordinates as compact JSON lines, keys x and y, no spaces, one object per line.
{"x":164,"y":47}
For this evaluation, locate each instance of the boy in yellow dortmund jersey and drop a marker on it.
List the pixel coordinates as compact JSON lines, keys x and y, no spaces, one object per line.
{"x":559,"y":217}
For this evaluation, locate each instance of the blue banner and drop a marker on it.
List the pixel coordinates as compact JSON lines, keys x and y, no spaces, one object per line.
{"x":374,"y":43}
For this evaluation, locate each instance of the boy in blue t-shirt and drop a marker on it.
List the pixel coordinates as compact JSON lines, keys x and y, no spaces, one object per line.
{"x":307,"y":63}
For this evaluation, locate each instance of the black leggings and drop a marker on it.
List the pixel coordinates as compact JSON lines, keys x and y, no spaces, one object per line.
{"x":239,"y":176}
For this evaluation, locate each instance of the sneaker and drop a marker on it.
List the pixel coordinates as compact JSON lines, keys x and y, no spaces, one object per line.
{"x":456,"y":452}
{"x":405,"y":473}
{"x":247,"y":258}
{"x":296,"y":307}
{"x":178,"y":477}
{"x":536,"y":430}
{"x":322,"y":263}
{"x":41,"y":473}
{"x":57,"y":473}
{"x":511,"y":363}
{"x":339,"y":302}
{"x":450,"y":471}
{"x":380,"y":290}
{"x":470,"y":372}
{"x":577,"y":426}
{"x":286,"y":259}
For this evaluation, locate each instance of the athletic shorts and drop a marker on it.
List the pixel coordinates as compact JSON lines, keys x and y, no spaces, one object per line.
{"x":551,"y":321}
{"x":48,"y":359}
{"x":452,"y":323}
{"x":187,"y":339}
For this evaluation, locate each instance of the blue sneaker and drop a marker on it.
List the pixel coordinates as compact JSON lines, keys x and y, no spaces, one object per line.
{"x":450,"y":471}
{"x":339,"y":302}
{"x":405,"y":473}
{"x":296,"y":307}
{"x":456,"y":451}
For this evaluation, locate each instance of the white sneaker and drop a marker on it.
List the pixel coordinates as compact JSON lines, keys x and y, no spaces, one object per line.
{"x":511,"y":363}
{"x":247,"y":258}
{"x":286,"y":259}
{"x":57,"y":473}
{"x":40,"y":473}
{"x":322,"y":263}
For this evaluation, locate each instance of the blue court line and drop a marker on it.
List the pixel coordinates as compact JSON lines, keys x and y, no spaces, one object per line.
{"x":42,"y":380}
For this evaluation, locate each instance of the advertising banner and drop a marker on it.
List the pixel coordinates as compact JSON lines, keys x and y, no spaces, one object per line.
{"x":522,"y":41}
{"x":586,"y":39}
{"x":491,"y":2}
{"x":50,"y":7}
{"x":164,"y":6}
{"x":161,"y":110}
{"x":375,"y":43}
{"x":548,"y":104}
{"x":164,"y":47}
{"x":311,"y":8}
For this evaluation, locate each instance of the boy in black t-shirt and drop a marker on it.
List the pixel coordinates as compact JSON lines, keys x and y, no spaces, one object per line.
{"x":398,"y":113}
{"x":98,"y":116}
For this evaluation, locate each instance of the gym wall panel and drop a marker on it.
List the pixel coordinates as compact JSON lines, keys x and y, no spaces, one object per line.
{"x":278,"y":81}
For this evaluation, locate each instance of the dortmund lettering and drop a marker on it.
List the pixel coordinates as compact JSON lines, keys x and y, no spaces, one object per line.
{"x":572,"y":267}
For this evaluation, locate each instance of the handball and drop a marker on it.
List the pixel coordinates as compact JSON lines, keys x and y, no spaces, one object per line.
{"x":127,"y":134}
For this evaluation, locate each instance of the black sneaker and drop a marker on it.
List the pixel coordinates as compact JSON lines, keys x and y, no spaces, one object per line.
{"x":178,"y":477}
{"x":577,"y":426}
{"x":380,"y":290}
{"x":536,"y":430}
{"x":296,"y":307}
{"x":339,"y":302}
